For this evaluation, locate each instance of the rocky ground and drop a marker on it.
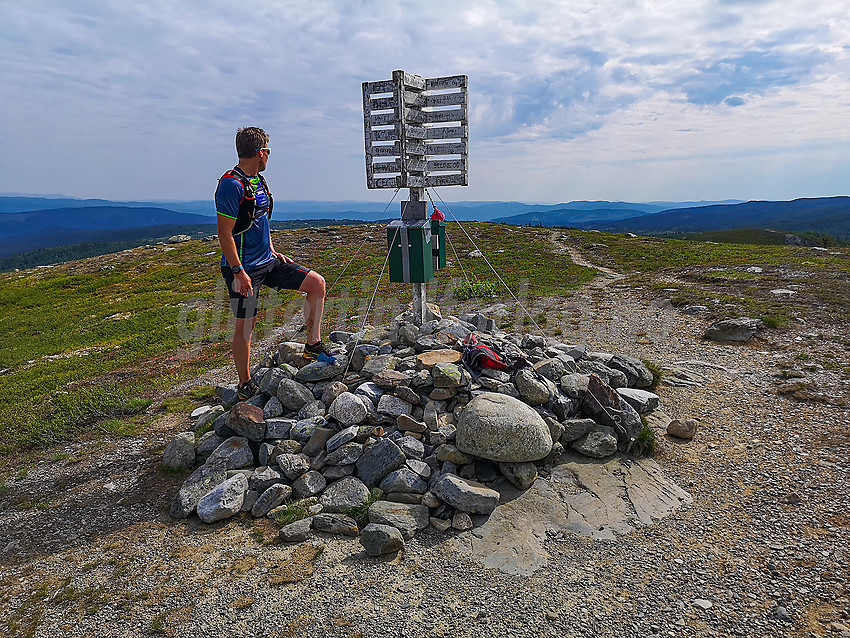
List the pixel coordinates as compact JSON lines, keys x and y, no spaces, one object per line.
{"x":87,"y":547}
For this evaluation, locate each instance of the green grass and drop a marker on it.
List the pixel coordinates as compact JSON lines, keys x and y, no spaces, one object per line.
{"x":90,"y":341}
{"x":645,"y":441}
{"x":657,"y":373}
{"x":293,"y":512}
{"x":480,"y":289}
{"x":361,"y":512}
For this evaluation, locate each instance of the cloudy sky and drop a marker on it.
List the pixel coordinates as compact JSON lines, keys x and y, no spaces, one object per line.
{"x":631,"y":100}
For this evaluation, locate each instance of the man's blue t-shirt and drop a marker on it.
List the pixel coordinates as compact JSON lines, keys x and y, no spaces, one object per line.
{"x":253,"y":246}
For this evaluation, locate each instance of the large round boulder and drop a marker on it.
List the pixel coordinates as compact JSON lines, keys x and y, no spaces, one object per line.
{"x":501,"y":428}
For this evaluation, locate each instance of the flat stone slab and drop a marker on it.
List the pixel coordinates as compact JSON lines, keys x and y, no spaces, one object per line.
{"x":599,"y":499}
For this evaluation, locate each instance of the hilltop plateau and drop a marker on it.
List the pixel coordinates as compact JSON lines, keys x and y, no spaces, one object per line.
{"x":107,"y":357}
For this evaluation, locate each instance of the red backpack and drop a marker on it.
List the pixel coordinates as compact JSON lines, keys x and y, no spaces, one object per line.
{"x":477,"y":355}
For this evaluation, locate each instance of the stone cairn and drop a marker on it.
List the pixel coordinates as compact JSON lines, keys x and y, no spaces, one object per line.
{"x":397,"y":435}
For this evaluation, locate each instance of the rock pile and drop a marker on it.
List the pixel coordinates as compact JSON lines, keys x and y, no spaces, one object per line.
{"x":397,"y":434}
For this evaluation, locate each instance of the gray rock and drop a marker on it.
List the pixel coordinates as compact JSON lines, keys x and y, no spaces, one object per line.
{"x":340,"y":336}
{"x":348,"y":409}
{"x":278,"y":428}
{"x":342,"y":437}
{"x":345,"y":454}
{"x":448,"y":375}
{"x":297,"y":531}
{"x":293,"y":395}
{"x":335,"y":524}
{"x":637,"y":374}
{"x":741,"y":329}
{"x":318,"y":371}
{"x":610,"y":376}
{"x":227,"y":394}
{"x":552,"y":369}
{"x":180,"y":452}
{"x":641,"y":400}
{"x":377,"y":363}
{"x":407,"y":423}
{"x":248,"y":421}
{"x":403,"y":480}
{"x":379,"y":460}
{"x":682,"y":428}
{"x":271,"y":380}
{"x":508,"y":389}
{"x":575,"y":429}
{"x":223,"y":501}
{"x":311,"y":483}
{"x":465,"y":495}
{"x":290,"y":352}
{"x":275,"y":495}
{"x":303,"y":430}
{"x":206,"y":446}
{"x":462,"y":521}
{"x":263,"y":478}
{"x":502,"y":428}
{"x":532,"y":388}
{"x":393,"y":406}
{"x":334,"y":472}
{"x":448,"y":452}
{"x":273,"y":408}
{"x":391,"y":379}
{"x":381,"y":539}
{"x":600,"y":442}
{"x":419,"y":467}
{"x":599,"y":399}
{"x":371,"y":391}
{"x":358,"y":356}
{"x":199,"y":483}
{"x":293,"y":465}
{"x":235,"y":452}
{"x":412,"y":448}
{"x":209,"y":416}
{"x":317,"y":441}
{"x":251,"y":497}
{"x":408,"y":518}
{"x":480,"y":321}
{"x":520,"y":474}
{"x":346,"y":493}
{"x":311,"y":409}
{"x":332,"y":391}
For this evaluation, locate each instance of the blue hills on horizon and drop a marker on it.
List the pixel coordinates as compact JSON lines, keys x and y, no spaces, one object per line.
{"x":35,"y":222}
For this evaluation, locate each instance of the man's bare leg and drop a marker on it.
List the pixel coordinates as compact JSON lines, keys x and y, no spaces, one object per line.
{"x":242,"y":347}
{"x":314,"y":305}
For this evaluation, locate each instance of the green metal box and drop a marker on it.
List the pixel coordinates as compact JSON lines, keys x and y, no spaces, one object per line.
{"x":411,"y":256}
{"x":438,"y":243}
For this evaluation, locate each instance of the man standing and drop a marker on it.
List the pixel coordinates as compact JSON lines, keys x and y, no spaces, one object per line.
{"x":244,"y":205}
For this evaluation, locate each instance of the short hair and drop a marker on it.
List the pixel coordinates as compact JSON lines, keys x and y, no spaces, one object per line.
{"x":249,"y":139}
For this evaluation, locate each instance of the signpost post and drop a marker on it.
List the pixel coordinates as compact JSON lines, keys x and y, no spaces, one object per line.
{"x":416,"y":136}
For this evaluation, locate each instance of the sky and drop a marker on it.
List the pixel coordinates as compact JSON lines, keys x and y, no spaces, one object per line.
{"x":632,"y":100}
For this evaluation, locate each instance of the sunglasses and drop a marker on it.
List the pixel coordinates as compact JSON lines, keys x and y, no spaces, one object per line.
{"x":266,"y":149}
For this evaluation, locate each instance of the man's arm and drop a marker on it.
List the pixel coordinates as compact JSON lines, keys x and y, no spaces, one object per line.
{"x":241,"y":280}
{"x":227,"y":199}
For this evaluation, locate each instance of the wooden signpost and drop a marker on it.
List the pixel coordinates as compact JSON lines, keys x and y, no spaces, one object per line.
{"x":416,"y":136}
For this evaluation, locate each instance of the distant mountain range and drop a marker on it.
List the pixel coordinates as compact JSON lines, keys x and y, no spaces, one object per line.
{"x":40,"y":222}
{"x":830,"y":215}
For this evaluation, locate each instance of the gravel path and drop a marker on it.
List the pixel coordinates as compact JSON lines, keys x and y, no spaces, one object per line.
{"x":87,"y":547}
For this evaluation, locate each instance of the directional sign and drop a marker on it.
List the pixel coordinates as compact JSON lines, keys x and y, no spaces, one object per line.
{"x":416,"y":131}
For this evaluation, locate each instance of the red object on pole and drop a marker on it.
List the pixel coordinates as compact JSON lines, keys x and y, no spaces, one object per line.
{"x":437,"y":215}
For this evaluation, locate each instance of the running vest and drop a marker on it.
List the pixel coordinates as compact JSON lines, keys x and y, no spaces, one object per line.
{"x":248,"y":209}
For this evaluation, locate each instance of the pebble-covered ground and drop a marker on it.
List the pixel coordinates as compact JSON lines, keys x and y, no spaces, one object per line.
{"x":87,"y":547}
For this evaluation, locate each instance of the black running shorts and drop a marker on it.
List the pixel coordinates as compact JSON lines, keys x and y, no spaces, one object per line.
{"x":275,"y":274}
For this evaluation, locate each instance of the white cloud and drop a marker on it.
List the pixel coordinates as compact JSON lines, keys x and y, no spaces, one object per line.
{"x":141,"y":99}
